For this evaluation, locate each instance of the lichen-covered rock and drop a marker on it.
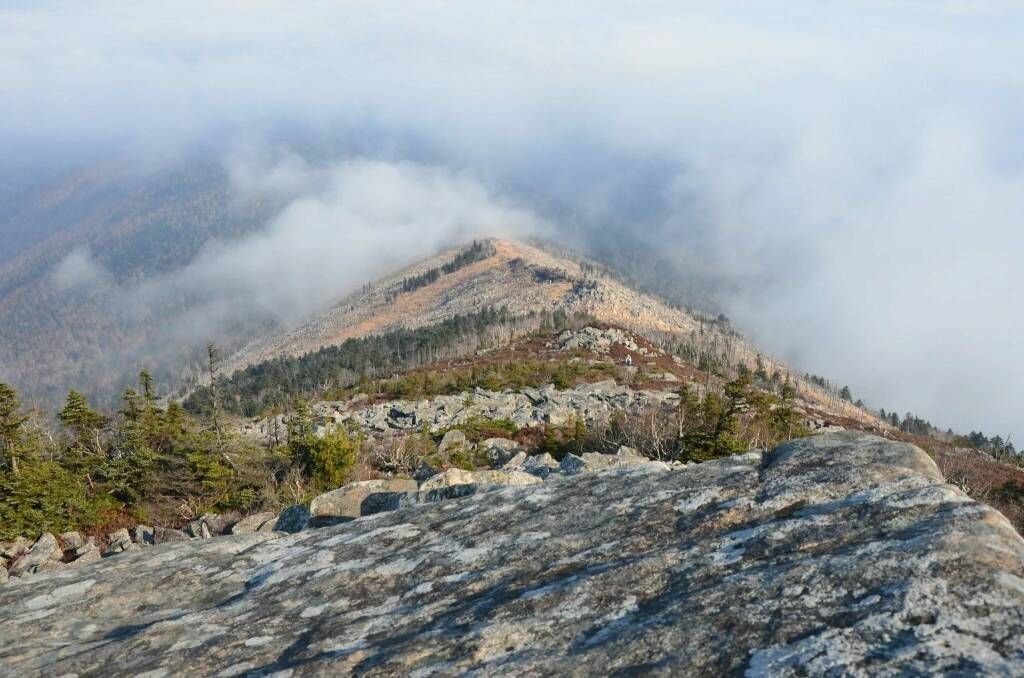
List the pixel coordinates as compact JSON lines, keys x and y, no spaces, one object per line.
{"x":38,"y":557}
{"x":452,"y":441}
{"x":516,"y":462}
{"x":500,"y":450}
{"x":453,"y":476}
{"x":293,"y":519}
{"x":541,"y":465}
{"x":252,"y":523}
{"x":118,"y":541}
{"x":143,"y":535}
{"x":166,"y":535}
{"x":347,"y":502}
{"x":9,"y":550}
{"x":72,"y":540}
{"x":838,"y":555}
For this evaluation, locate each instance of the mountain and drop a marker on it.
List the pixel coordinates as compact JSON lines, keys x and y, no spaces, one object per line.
{"x":523,"y":278}
{"x":503,"y":459}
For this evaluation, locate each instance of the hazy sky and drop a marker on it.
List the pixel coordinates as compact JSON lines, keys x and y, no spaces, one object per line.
{"x":852,"y":173}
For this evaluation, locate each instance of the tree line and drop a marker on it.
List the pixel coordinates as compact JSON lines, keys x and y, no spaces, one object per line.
{"x":274,"y":384}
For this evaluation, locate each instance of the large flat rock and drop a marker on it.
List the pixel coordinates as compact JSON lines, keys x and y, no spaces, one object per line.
{"x":842,"y":554}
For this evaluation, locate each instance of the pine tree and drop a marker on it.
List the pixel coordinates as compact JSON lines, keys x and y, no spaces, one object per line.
{"x":78,"y":417}
{"x":12,"y":421}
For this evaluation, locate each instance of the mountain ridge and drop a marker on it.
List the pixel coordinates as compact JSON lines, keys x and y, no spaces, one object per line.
{"x":521,"y":277}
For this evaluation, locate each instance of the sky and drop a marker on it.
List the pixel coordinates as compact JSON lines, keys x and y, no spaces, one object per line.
{"x":847,"y":176}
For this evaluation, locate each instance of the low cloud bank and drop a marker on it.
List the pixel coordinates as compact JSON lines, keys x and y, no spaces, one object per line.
{"x":844,"y":181}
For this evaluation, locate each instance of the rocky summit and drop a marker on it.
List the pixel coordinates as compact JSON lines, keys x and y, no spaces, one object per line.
{"x":838,"y":554}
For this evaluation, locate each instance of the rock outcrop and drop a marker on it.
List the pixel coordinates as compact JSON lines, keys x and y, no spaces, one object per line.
{"x":524,"y":407}
{"x":839,"y":554}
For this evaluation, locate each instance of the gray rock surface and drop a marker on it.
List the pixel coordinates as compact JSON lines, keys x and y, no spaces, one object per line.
{"x":118,"y":541}
{"x":252,"y":523}
{"x":541,"y":465}
{"x":499,"y":451}
{"x":87,"y":553}
{"x":524,"y":407}
{"x":43,"y":551}
{"x":9,"y":550}
{"x":72,"y":540}
{"x":293,"y":519}
{"x":167,"y":535}
{"x":347,"y":501}
{"x":143,"y":535}
{"x":837,"y":555}
{"x":452,"y":441}
{"x":455,"y":476}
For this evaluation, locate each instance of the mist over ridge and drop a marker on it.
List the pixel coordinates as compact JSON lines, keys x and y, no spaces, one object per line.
{"x":848,"y":192}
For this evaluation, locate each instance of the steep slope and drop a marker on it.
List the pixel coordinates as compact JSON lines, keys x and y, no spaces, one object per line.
{"x":842,"y":554}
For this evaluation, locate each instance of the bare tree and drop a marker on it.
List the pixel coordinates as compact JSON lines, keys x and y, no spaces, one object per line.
{"x":213,"y":365}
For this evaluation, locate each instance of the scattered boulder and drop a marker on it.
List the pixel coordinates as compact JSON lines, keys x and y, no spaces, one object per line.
{"x":423,"y":472}
{"x":208,"y":525}
{"x":72,"y":540}
{"x":194,"y":529}
{"x":540,"y":465}
{"x":119,"y":541}
{"x":453,"y":441}
{"x":500,"y":450}
{"x":347,"y":502}
{"x":43,"y":551}
{"x":252,"y":523}
{"x":269,"y":526}
{"x":9,"y":550}
{"x":293,"y":519}
{"x":516,"y":462}
{"x":453,"y":476}
{"x":3,"y":575}
{"x":217,"y":523}
{"x":87,"y":553}
{"x":143,"y":535}
{"x":167,"y":535}
{"x":572,"y":464}
{"x":503,"y":477}
{"x":595,"y":461}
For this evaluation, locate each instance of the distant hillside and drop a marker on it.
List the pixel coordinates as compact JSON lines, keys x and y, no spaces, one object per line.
{"x":524,"y":279}
{"x":134,"y":224}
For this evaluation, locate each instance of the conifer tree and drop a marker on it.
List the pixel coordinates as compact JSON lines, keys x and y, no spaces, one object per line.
{"x":12,"y":421}
{"x":83,"y":422}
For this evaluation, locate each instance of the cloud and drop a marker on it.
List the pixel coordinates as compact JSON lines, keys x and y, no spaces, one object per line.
{"x":78,"y":271}
{"x":846,"y":180}
{"x":345,"y":224}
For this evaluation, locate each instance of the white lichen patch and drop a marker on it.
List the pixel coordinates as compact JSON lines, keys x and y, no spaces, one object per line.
{"x":397,"y":567}
{"x":60,"y":595}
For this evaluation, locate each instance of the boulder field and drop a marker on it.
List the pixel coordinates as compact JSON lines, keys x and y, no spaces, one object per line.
{"x":837,"y":554}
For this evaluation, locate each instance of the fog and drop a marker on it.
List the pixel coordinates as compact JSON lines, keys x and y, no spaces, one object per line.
{"x":844,"y":179}
{"x":345,"y":224}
